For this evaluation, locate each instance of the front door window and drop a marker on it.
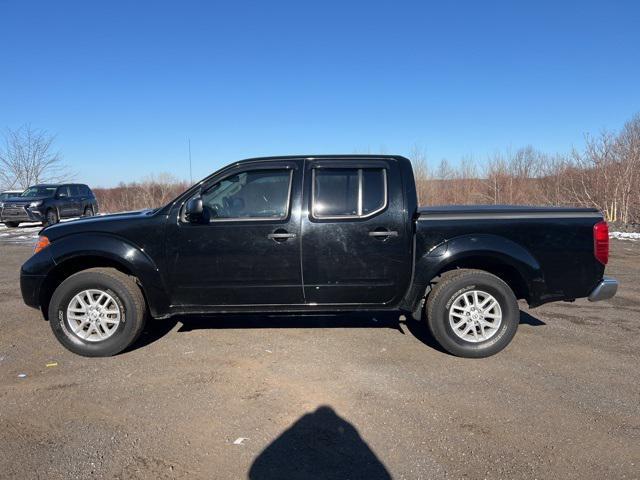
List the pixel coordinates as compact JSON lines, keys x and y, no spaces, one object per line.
{"x":251,"y":195}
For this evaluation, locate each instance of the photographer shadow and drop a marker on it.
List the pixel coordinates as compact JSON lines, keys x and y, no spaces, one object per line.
{"x":319,"y":445}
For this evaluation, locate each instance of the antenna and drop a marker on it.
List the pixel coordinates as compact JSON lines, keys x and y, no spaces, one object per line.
{"x":190,"y":171}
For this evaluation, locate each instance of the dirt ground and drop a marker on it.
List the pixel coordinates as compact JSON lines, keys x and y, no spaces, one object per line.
{"x":346,"y":396}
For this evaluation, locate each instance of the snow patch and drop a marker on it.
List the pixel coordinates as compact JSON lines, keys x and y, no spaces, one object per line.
{"x":633,"y":236}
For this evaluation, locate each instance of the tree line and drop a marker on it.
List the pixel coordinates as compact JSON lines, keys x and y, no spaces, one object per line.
{"x":604,"y":174}
{"x":152,"y":192}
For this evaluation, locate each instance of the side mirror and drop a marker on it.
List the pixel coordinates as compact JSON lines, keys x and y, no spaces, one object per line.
{"x":194,"y":210}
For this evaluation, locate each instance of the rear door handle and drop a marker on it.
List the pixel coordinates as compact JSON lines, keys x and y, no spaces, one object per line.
{"x":383,"y":233}
{"x":281,"y":236}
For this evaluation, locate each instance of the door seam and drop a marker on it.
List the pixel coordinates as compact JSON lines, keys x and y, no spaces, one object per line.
{"x":302,"y":198}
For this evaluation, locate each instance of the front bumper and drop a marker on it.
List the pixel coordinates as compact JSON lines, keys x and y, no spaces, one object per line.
{"x":605,"y":290}
{"x":30,"y":286}
{"x":20,"y":214}
{"x":33,"y":276}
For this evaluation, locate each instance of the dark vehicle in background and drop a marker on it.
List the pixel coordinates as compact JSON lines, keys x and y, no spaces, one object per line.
{"x":314,"y":234}
{"x":48,"y":203}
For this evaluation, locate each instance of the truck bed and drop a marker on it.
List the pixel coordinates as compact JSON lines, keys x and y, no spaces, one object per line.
{"x":503,"y":211}
{"x":555,"y":243}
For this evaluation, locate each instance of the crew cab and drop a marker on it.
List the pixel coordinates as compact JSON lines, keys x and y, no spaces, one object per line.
{"x":314,"y":234}
{"x":48,"y":203}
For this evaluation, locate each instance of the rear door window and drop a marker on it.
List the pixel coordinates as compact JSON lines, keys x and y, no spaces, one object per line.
{"x":348,"y":192}
{"x":336,"y":192}
{"x":374,"y":188}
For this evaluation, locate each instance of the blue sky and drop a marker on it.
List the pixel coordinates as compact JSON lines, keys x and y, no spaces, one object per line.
{"x":124,"y":84}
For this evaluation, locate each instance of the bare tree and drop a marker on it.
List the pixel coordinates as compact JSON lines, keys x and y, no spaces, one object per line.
{"x":28,"y":157}
{"x":421,"y":173}
{"x":627,"y":169}
{"x":496,"y":178}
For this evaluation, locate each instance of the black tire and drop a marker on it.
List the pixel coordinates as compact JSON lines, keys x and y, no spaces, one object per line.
{"x":51,"y":217}
{"x":448,"y":289}
{"x":88,"y":212}
{"x":12,"y":224}
{"x":122,"y":288}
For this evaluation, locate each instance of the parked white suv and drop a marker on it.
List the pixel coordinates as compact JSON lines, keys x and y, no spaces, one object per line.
{"x":9,"y":193}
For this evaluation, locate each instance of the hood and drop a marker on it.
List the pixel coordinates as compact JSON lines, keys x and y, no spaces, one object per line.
{"x":23,"y":200}
{"x":113,"y":223}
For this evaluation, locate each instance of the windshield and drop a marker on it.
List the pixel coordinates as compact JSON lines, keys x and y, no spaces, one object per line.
{"x":39,"y":192}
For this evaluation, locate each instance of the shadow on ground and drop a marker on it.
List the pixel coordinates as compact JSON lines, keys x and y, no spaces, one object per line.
{"x":156,"y":329}
{"x":319,"y":445}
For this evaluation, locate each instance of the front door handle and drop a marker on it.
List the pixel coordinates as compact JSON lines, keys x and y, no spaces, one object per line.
{"x":281,"y":235}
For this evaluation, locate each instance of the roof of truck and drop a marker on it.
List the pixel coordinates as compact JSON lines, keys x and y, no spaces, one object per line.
{"x":344,"y":156}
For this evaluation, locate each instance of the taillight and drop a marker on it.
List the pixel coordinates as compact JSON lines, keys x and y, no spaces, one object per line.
{"x":601,"y":242}
{"x":43,"y":242}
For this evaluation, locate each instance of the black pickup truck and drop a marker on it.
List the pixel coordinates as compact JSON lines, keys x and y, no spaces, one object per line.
{"x":314,"y":234}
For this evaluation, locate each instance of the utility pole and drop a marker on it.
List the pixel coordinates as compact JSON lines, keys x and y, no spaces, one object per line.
{"x":190,"y":171}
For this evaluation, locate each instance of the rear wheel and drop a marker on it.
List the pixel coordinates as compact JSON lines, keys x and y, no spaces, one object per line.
{"x":97,"y":312}
{"x":51,"y":217}
{"x":12,"y":224}
{"x":88,"y":212}
{"x":472,"y":313}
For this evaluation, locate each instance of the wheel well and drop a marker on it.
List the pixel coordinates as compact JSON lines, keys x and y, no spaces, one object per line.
{"x":510,"y":275}
{"x":68,"y":268}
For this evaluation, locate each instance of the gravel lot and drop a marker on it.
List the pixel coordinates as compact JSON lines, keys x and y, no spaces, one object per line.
{"x":346,"y":396}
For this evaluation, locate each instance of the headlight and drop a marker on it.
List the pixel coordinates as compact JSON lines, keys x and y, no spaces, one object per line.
{"x":36,"y":204}
{"x":1,"y":204}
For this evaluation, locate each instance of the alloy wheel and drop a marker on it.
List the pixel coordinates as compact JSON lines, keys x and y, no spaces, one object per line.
{"x":475,"y":316}
{"x":93,"y":315}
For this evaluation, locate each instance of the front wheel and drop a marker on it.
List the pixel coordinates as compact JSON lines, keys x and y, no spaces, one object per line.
{"x":51,"y":218}
{"x":88,"y":212}
{"x":12,"y":224}
{"x":472,"y":313}
{"x":97,"y":312}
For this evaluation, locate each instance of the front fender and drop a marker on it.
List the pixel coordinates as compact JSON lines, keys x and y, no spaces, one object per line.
{"x":496,"y":249}
{"x":122,"y":252}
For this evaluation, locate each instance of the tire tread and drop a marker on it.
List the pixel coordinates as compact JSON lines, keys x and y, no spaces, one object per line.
{"x":437,"y":291}
{"x":130,"y":284}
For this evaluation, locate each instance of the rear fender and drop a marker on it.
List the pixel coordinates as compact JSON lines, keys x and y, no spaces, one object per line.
{"x":495,"y":249}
